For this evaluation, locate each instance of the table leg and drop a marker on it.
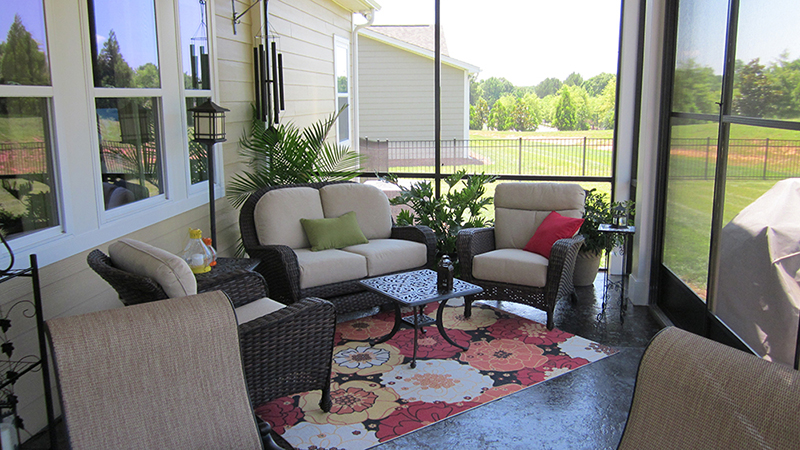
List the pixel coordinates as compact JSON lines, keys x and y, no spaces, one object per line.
{"x":440,"y":325}
{"x":416,"y":331}
{"x":397,"y":321}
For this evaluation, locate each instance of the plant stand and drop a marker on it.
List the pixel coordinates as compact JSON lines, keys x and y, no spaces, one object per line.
{"x":626,"y":232}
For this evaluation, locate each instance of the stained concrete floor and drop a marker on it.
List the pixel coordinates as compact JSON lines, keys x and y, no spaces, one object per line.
{"x":582,"y":409}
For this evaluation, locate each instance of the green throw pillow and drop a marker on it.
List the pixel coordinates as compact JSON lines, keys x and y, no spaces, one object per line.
{"x":340,"y":232}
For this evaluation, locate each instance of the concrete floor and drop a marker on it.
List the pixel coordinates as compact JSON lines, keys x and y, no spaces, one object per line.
{"x":583,"y":409}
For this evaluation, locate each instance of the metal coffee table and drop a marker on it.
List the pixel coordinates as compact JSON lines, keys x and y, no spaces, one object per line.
{"x":417,"y":289}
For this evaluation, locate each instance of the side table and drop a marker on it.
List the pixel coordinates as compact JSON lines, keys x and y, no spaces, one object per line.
{"x":609,"y":231}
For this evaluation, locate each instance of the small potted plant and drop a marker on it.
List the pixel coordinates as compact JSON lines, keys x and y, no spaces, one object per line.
{"x":598,"y":210}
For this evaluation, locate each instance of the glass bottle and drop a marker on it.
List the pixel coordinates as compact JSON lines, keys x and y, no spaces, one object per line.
{"x":196,"y":254}
{"x":211,"y":250}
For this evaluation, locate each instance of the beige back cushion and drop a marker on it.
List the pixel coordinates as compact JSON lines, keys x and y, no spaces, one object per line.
{"x":278,"y":213}
{"x":170,"y":271}
{"x":370,"y":204}
{"x":521,"y":207}
{"x":164,"y":375}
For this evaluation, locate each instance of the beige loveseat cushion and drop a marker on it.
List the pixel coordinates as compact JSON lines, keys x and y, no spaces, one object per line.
{"x":370,"y":204}
{"x":256,"y":309}
{"x":278,"y":212}
{"x":510,"y":265}
{"x":391,"y":255}
{"x":521,"y":207}
{"x":169,"y":271}
{"x":329,"y":266}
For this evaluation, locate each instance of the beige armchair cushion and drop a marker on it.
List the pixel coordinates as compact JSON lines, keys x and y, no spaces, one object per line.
{"x":256,"y":309}
{"x":329,"y":266}
{"x":370,"y":204}
{"x":170,"y":271}
{"x":521,"y":207}
{"x":391,"y":255}
{"x":510,"y":265}
{"x":278,"y":212}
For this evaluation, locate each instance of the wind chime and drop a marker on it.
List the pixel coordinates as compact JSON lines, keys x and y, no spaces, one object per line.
{"x":269,"y":77}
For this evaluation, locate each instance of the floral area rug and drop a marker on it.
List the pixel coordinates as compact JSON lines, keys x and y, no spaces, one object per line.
{"x":377,"y":396}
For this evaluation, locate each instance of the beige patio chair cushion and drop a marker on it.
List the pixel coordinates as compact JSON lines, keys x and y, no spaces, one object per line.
{"x":390,"y":255}
{"x":510,"y":265}
{"x":254,"y":310}
{"x":329,"y":266}
{"x":521,"y":207}
{"x":369,"y":203}
{"x":278,"y":213}
{"x":170,"y":271}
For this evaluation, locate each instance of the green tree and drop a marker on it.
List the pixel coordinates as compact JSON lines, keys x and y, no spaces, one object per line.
{"x":574,"y":79}
{"x":607,"y":106}
{"x":595,"y":85}
{"x":756,"y":94}
{"x":481,"y":113}
{"x":112,"y":70}
{"x":22,"y":62}
{"x":566,"y":114}
{"x":549,"y":86}
{"x":494,"y":88}
{"x":696,"y":90}
{"x":146,"y":76}
{"x":498,"y":117}
{"x":785,"y":77}
{"x":534,"y":108}
{"x":474,"y":122}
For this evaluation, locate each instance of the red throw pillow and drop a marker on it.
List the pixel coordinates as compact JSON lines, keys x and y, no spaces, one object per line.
{"x":553,"y":227}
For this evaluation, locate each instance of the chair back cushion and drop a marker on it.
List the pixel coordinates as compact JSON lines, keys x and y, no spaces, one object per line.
{"x":692,"y":392}
{"x":165,"y":374}
{"x":521,"y":207}
{"x":369,"y":203}
{"x":278,"y":212}
{"x":168,"y":270}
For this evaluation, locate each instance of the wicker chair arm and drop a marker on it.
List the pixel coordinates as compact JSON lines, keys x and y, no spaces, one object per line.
{"x":280,"y":269}
{"x":288,"y":351}
{"x":561,"y":266}
{"x":132,"y":289}
{"x":242,"y":286}
{"x":421,"y":234}
{"x":470,"y":243}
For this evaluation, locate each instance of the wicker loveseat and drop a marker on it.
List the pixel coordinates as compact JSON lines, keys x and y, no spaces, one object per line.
{"x":272,"y":233}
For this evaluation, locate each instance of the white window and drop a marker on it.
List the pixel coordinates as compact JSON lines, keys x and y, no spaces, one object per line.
{"x":341,"y":61}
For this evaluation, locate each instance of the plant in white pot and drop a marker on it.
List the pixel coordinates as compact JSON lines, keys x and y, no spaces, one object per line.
{"x":598,"y":211}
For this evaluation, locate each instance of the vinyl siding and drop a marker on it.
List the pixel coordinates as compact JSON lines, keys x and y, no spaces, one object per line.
{"x":396,"y":95}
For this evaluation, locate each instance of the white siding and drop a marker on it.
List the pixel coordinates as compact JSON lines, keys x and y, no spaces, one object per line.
{"x":396,"y":95}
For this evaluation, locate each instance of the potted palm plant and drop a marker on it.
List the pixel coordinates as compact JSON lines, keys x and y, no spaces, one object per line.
{"x":598,"y":210}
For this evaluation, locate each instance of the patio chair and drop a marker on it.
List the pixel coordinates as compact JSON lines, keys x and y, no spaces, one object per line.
{"x":286,"y":349}
{"x":692,"y":392}
{"x":165,"y":374}
{"x":494,"y":258}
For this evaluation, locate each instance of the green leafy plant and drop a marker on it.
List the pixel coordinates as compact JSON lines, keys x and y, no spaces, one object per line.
{"x":286,"y":154}
{"x":598,"y":210}
{"x":460,"y":207}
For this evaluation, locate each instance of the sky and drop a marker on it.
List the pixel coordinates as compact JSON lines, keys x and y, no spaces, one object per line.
{"x":524,"y":41}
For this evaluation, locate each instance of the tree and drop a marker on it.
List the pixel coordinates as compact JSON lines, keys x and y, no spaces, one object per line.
{"x":146,"y":76}
{"x":112,"y":70}
{"x":574,"y":79}
{"x":566,"y":115}
{"x":607,"y":105}
{"x":481,"y":113}
{"x":696,"y":90}
{"x":22,"y":61}
{"x":549,"y":86}
{"x":595,"y":85}
{"x":756,"y":93}
{"x":494,"y":88}
{"x":498,"y":117}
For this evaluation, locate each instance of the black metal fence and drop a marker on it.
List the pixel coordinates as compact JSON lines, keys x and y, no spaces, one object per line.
{"x":762,"y":159}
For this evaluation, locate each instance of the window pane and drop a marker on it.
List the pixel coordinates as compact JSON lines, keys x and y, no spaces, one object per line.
{"x":129,"y":150}
{"x":198,"y":158}
{"x":767,"y":75}
{"x":125,"y":50}
{"x":27,"y":189}
{"x":757,"y":291}
{"x":690,"y":196}
{"x":23,"y":44}
{"x":194,"y":44}
{"x":700,"y":56}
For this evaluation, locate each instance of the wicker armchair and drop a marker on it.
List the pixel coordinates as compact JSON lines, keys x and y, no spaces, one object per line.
{"x":284,"y":352}
{"x":519,"y":209}
{"x":280,"y":267}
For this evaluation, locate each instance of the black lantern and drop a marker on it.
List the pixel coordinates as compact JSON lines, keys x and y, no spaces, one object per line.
{"x":134,"y":124}
{"x":619,"y":216}
{"x":444,"y":275}
{"x":209,"y":128}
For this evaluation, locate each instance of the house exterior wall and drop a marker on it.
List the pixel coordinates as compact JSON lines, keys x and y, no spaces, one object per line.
{"x":305,"y":30}
{"x":396,"y":95}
